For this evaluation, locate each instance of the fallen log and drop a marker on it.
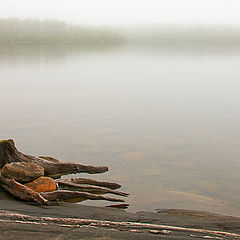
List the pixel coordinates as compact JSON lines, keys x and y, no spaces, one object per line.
{"x":63,"y":185}
{"x":89,"y":181}
{"x":9,"y":153}
{"x":22,"y":192}
{"x":64,"y":195}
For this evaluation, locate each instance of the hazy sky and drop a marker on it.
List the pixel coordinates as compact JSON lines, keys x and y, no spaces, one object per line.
{"x":126,"y":12}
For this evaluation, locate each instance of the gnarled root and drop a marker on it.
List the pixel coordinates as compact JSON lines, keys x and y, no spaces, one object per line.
{"x":80,"y":188}
{"x":89,"y":181}
{"x":54,"y":169}
{"x":20,"y":191}
{"x":64,"y":195}
{"x":86,"y":188}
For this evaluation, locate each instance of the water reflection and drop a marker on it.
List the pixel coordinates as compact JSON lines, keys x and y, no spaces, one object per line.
{"x":166,"y":124}
{"x":17,"y":53}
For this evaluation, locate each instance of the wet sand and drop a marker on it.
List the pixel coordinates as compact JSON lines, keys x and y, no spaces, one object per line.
{"x":21,"y":220}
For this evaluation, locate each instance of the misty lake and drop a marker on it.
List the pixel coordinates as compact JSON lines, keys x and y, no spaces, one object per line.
{"x":166,"y":121}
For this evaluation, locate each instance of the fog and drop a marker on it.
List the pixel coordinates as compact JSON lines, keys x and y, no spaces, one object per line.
{"x":126,"y":12}
{"x":35,"y":31}
{"x":148,"y":88}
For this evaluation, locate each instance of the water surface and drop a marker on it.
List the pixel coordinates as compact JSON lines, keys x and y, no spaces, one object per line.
{"x":165,"y":121}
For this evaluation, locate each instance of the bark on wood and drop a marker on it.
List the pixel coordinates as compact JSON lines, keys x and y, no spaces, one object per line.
{"x":86,"y":188}
{"x":51,"y":159}
{"x":9,"y":153}
{"x":20,"y":191}
{"x":54,"y":168}
{"x":22,"y":171}
{"x":63,"y":195}
{"x":91,"y":182}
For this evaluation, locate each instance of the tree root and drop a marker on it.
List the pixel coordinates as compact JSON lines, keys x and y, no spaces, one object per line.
{"x":9,"y":153}
{"x":63,"y":195}
{"x":86,"y":188}
{"x":88,"y":181}
{"x":70,"y":189}
{"x":22,"y":192}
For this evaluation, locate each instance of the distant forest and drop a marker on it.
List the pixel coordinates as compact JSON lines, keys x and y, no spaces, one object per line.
{"x":180,"y":35}
{"x":34,"y":31}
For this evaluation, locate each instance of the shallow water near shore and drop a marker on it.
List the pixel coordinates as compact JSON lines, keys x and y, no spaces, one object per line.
{"x":166,"y":121}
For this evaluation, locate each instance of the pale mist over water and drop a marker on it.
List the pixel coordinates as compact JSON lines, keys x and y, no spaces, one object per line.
{"x":165,"y":120}
{"x":159,"y":107}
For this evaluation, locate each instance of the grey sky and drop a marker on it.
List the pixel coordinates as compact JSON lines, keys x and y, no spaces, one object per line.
{"x":126,"y":12}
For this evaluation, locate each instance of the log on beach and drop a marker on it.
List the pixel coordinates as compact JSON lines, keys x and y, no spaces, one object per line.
{"x":54,"y":169}
{"x":63,"y":195}
{"x":38,"y":173}
{"x":89,"y":181}
{"x":22,"y":192}
{"x":87,"y":188}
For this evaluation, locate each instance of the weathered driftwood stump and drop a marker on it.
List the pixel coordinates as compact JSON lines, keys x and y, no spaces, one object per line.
{"x":54,"y":169}
{"x":29,"y":178}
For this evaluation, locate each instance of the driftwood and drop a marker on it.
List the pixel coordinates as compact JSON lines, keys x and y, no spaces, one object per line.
{"x":9,"y":153}
{"x":86,"y":188}
{"x":70,"y":189}
{"x":91,"y":182}
{"x":22,"y":192}
{"x":63,"y":195}
{"x":51,"y":159}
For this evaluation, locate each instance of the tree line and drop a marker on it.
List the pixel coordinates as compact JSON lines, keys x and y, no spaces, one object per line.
{"x":13,"y":30}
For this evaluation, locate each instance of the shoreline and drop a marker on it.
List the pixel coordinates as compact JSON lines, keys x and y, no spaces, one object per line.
{"x":76,"y":221}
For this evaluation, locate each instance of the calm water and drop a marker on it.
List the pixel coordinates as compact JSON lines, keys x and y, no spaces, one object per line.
{"x":166,"y":122}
